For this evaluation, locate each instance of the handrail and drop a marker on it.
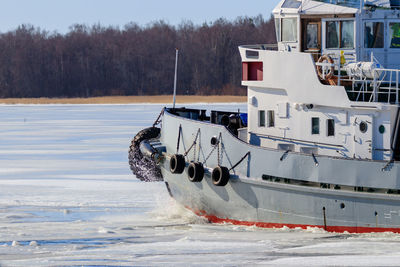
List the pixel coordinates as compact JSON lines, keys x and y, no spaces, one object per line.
{"x":296,"y":140}
{"x":260,"y":46}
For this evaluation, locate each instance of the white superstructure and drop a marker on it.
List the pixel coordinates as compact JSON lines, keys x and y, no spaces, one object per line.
{"x":332,"y":88}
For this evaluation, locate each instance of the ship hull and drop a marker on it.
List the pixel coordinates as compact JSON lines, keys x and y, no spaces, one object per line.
{"x":279,"y":199}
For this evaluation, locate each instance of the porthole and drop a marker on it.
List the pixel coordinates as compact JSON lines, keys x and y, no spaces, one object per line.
{"x":342,"y":206}
{"x":382,"y":129}
{"x":214,"y":141}
{"x":363,"y":127}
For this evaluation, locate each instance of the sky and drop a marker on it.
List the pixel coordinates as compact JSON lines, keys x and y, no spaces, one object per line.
{"x":59,"y":15}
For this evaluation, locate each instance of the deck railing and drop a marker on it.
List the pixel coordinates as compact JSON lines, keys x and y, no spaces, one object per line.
{"x":273,"y":47}
{"x":381,"y":85}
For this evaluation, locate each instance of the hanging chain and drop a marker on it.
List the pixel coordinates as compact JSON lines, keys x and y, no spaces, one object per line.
{"x":179,"y":138}
{"x":194,"y":149}
{"x":219,"y":163}
{"x":215,"y":147}
{"x":220,"y":148}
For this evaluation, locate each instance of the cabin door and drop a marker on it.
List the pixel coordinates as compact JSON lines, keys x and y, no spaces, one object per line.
{"x":312,"y":37}
{"x":363,"y":136}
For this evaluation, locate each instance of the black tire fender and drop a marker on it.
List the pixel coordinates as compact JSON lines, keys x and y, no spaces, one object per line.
{"x":177,"y":163}
{"x":144,"y":168}
{"x":195,"y":172}
{"x":220,"y":176}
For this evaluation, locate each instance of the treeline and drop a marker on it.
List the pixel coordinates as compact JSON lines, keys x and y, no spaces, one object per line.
{"x":98,"y":61}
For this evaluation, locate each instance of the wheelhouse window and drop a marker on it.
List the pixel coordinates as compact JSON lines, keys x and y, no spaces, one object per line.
{"x":340,"y":34}
{"x":261,"y":118}
{"x":271,"y":118}
{"x":289,"y":30}
{"x":347,"y":34}
{"x":315,"y":126}
{"x":332,"y":34}
{"x":394,"y":34}
{"x":331,"y":127}
{"x":374,"y":35}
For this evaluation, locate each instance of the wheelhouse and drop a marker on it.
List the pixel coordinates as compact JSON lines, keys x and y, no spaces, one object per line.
{"x":356,"y":28}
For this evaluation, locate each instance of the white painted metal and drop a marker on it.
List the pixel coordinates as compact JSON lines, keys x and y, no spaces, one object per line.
{"x":363,"y":140}
{"x":290,"y":77}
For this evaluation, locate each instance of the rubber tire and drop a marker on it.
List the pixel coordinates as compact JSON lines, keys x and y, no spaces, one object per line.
{"x":177,"y":163}
{"x":195,"y":172}
{"x":220,"y":176}
{"x":144,"y":168}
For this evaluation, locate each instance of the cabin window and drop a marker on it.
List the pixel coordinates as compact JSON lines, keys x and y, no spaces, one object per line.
{"x":394,"y":33}
{"x":315,"y":126}
{"x":289,"y":30}
{"x":261,"y":118}
{"x":340,"y":34}
{"x":278,"y":29}
{"x":373,"y":35}
{"x":312,"y":36}
{"x":331,"y":127}
{"x":347,"y":34}
{"x":271,"y":118}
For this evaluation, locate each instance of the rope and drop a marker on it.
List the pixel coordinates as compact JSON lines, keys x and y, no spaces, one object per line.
{"x":240,"y":161}
{"x":158,"y":120}
{"x":193,"y":145}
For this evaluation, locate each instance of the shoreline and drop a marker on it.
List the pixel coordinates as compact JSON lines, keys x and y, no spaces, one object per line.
{"x":158,"y":99}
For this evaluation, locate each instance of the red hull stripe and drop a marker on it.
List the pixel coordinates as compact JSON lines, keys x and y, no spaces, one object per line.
{"x":337,"y":229}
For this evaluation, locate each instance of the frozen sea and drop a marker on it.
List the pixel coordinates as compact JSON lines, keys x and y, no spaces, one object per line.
{"x":68,"y":198}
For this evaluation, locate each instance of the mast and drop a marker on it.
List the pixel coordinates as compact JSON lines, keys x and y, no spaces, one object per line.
{"x":176,"y":76}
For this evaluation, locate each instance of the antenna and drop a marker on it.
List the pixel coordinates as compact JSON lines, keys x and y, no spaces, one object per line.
{"x":176,"y":76}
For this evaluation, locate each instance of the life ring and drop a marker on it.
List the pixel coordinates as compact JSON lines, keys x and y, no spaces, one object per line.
{"x":195,"y":172}
{"x":220,"y":176}
{"x":329,"y":74}
{"x":177,"y":163}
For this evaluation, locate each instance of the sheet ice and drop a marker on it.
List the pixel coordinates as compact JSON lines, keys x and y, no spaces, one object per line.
{"x":67,"y":197}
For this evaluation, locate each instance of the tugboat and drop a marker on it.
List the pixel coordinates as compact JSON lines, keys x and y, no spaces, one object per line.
{"x":320,"y":144}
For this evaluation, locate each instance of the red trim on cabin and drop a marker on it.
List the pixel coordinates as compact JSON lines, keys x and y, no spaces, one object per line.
{"x":337,"y":229}
{"x":252,"y":71}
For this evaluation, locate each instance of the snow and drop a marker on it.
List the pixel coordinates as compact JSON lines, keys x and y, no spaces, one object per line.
{"x":67,"y":197}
